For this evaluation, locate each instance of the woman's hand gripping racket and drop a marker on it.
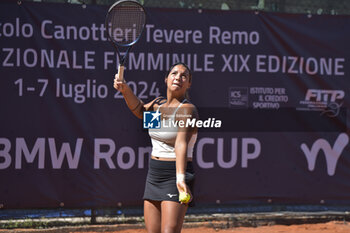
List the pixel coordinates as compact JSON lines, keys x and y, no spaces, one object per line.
{"x":125,"y":21}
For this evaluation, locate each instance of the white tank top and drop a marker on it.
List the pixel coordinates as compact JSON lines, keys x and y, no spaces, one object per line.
{"x":164,"y":138}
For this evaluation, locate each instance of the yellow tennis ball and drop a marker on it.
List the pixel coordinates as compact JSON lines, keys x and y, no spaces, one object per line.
{"x":184,"y":197}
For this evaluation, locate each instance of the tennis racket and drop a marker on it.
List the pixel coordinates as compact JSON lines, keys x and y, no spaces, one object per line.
{"x":125,"y":21}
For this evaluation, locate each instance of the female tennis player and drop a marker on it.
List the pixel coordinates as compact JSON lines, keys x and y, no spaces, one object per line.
{"x":170,"y":168}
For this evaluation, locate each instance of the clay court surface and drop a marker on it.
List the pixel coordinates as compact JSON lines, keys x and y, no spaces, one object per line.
{"x":329,"y":227}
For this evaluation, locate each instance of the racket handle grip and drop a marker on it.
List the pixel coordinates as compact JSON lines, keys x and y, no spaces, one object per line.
{"x":121,"y":72}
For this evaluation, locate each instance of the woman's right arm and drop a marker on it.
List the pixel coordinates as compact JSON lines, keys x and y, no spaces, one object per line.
{"x":136,"y":106}
{"x":134,"y":103}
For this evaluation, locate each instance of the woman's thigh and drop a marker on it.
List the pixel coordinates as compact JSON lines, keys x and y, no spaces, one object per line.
{"x":152,"y":214}
{"x":172,"y":215}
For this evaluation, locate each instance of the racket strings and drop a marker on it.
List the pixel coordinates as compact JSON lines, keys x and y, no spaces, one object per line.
{"x":125,"y":23}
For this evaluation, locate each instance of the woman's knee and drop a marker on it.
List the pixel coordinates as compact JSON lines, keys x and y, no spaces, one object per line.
{"x":153,"y":229}
{"x":168,"y":228}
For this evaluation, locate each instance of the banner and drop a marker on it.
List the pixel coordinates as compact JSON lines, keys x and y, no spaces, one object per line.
{"x":278,"y":83}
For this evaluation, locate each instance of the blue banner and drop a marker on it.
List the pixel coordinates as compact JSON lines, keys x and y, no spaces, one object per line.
{"x":278,"y":83}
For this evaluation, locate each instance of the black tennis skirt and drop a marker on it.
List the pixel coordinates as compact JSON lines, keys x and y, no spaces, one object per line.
{"x":161,"y":181}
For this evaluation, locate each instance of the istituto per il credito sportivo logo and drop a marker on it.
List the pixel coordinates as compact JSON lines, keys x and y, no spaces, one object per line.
{"x":153,"y":120}
{"x":258,"y":97}
{"x":238,"y":97}
{"x":332,"y":154}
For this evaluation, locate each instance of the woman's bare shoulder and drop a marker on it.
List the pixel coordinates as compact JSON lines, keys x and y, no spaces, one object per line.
{"x":188,"y":109}
{"x":154,"y":104}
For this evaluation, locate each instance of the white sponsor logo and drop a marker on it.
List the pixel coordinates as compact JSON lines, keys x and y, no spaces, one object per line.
{"x":238,"y":97}
{"x":324,"y":95}
{"x":171,"y":195}
{"x":332,"y":154}
{"x":268,"y":97}
{"x":323,"y":100}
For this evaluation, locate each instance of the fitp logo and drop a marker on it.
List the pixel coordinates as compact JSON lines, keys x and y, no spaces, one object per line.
{"x":324,"y":95}
{"x":151,"y":120}
{"x":328,"y":102}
